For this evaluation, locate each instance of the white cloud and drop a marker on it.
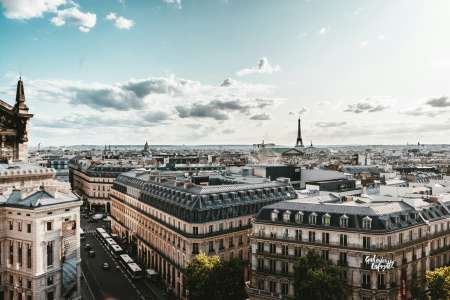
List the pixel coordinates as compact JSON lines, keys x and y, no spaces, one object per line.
{"x":119,"y":21}
{"x":27,"y":9}
{"x":324,"y":30}
{"x":84,"y":21}
{"x":263,"y":67}
{"x":364,"y":44}
{"x":176,"y":3}
{"x":381,"y":37}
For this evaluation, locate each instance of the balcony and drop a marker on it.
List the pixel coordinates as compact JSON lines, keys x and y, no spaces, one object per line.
{"x":263,"y":294}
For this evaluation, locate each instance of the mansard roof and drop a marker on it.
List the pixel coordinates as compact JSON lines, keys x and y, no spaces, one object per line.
{"x":204,"y":197}
{"x":386,"y":215}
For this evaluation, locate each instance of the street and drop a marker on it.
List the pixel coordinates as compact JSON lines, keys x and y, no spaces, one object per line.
{"x":112,"y":284}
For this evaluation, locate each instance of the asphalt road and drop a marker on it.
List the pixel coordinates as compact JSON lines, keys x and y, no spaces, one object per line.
{"x":112,"y":284}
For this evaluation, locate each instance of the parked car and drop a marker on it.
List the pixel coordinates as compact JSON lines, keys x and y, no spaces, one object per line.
{"x":92,"y":253}
{"x":105,"y":266}
{"x":87,"y":247}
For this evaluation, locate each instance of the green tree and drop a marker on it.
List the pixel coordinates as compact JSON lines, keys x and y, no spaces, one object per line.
{"x":207,"y":277}
{"x":417,"y":288}
{"x":316,"y":278}
{"x":439,"y":283}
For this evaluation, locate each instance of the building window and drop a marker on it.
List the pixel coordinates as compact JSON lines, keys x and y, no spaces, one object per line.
{"x":50,"y":296}
{"x":11,"y":226}
{"x":29,"y":228}
{"x":230,"y":242}
{"x":49,"y":226}
{"x":195,"y":230}
{"x":274,"y":215}
{"x":298,"y":235}
{"x":194,"y":248}
{"x":284,"y":267}
{"x":284,"y":289}
{"x":260,"y":264}
{"x":312,"y":218}
{"x":19,"y":253}
{"x":326,"y":219}
{"x":298,"y":251}
{"x":272,"y":287}
{"x":261,"y":285}
{"x":287,"y":216}
{"x":299,"y":217}
{"x":342,"y":258}
{"x":221,"y":247}
{"x":240,"y":241}
{"x":367,"y":223}
{"x":343,"y":240}
{"x":344,"y":221}
{"x":325,"y":238}
{"x":272,"y":248}
{"x":211,"y":246}
{"x":19,"y":226}
{"x":260,"y":248}
{"x":49,"y":253}
{"x":49,"y":280}
{"x":381,"y":281}
{"x":11,"y":252}
{"x":366,"y":242}
{"x":366,"y":280}
{"x":312,"y":237}
{"x":325,"y":254}
{"x":284,"y":250}
{"x":29,"y":256}
{"x":273,"y":265}
{"x":400,"y":238}
{"x":221,"y":227}
{"x":28,"y":284}
{"x":211,"y":228}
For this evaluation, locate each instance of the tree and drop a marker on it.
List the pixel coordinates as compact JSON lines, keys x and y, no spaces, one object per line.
{"x":439,"y":283}
{"x":207,"y":277}
{"x":417,"y":289}
{"x":316,"y":278}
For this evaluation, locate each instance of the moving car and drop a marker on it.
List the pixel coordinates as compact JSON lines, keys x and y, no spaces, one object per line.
{"x":105,"y":266}
{"x":92,"y":253}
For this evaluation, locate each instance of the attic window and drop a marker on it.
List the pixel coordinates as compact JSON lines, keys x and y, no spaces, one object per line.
{"x":313,"y":218}
{"x":326,"y":219}
{"x":287,"y":216}
{"x":274,"y":215}
{"x":397,"y":219}
{"x":299,"y":217}
{"x":344,"y":221}
{"x":367,"y":222}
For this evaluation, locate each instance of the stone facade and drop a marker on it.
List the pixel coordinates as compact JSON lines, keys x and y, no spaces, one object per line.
{"x":414,"y":233}
{"x":14,"y":127}
{"x":168,"y":221}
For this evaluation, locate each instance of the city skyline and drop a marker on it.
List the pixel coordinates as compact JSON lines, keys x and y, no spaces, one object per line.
{"x":229,"y":72}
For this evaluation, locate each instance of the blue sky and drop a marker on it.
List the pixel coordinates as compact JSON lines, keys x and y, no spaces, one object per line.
{"x":195,"y":72}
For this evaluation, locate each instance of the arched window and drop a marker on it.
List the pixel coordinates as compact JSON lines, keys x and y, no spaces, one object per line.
{"x":274,"y":215}
{"x":287,"y":216}
{"x":313,"y":218}
{"x":326,"y":219}
{"x":367,"y":222}
{"x":344,"y":221}
{"x":299,"y":217}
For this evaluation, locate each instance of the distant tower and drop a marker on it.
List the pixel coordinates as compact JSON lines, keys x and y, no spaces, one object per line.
{"x":146,"y":146}
{"x":299,"y":142}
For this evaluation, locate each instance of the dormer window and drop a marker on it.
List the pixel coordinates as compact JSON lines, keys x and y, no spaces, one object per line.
{"x":367,"y":222}
{"x":274,"y":215}
{"x":313,"y":218}
{"x":344,"y":221}
{"x":299,"y":217}
{"x":397,"y":219}
{"x":406,"y":218}
{"x":287,"y":216}
{"x":326,"y":219}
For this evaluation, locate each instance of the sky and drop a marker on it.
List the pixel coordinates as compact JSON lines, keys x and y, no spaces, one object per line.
{"x":229,"y":71}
